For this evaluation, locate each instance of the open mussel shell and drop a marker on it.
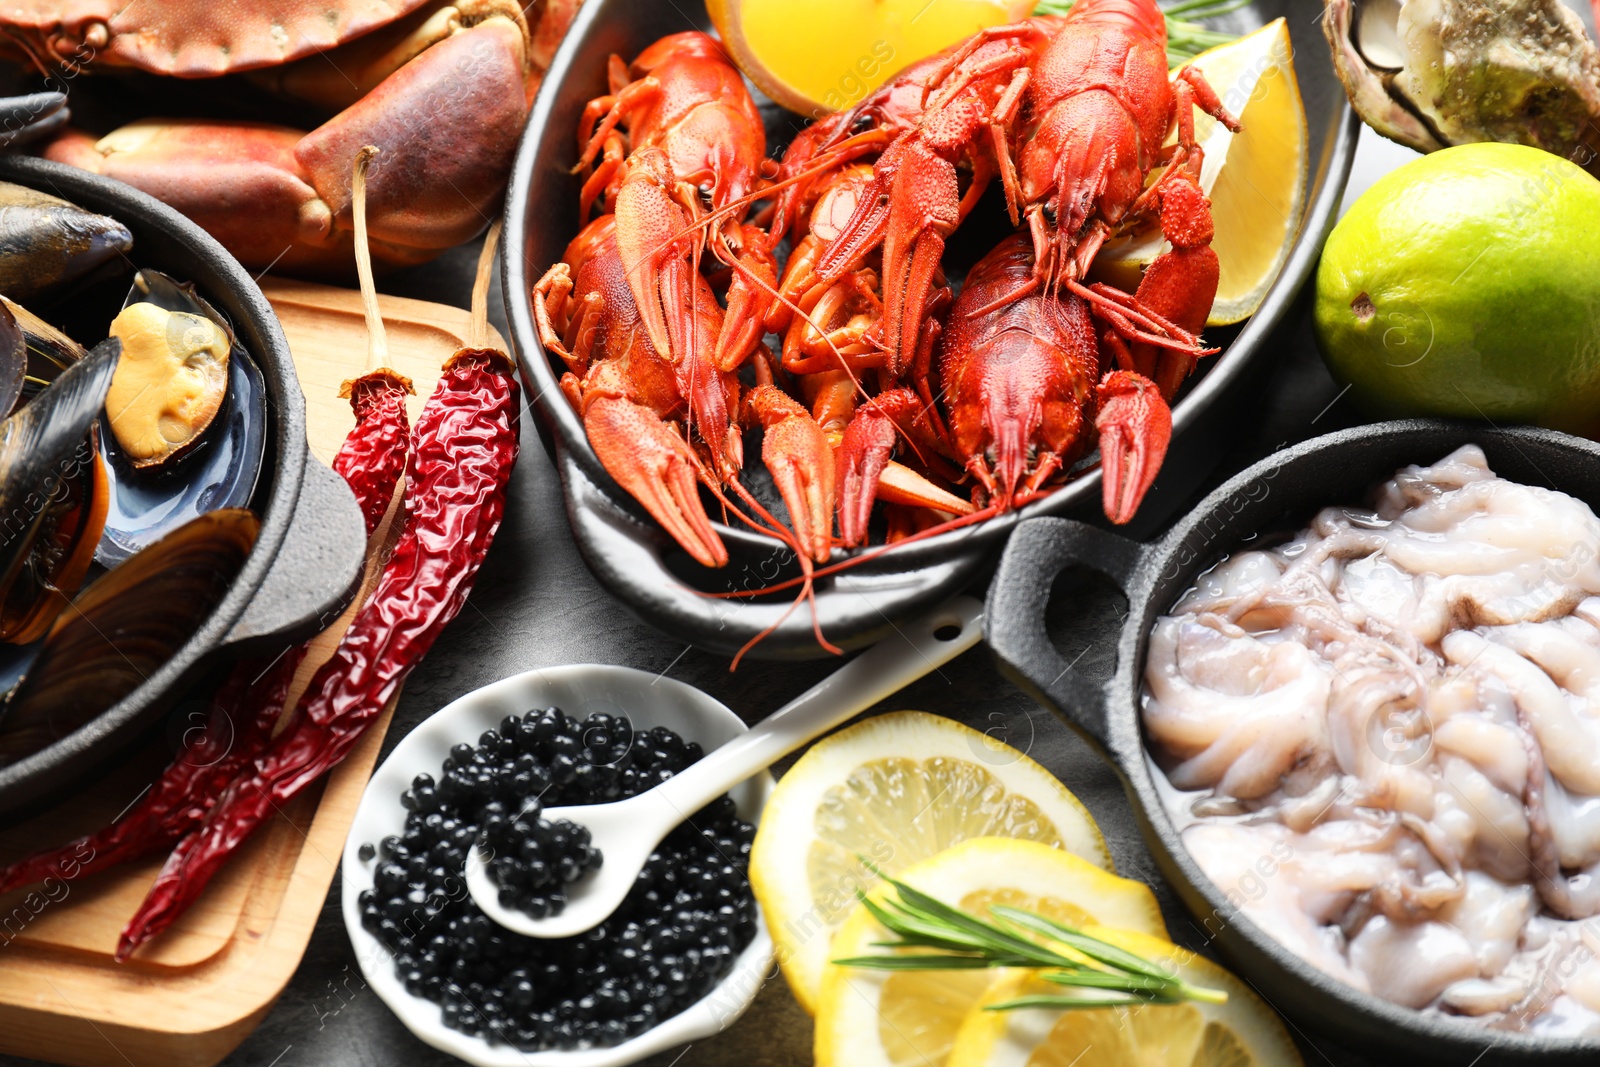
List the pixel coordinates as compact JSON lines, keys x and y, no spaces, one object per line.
{"x":46,"y":241}
{"x":219,"y":469}
{"x":13,"y":360}
{"x":46,"y":350}
{"x":53,"y":495}
{"x":124,"y":628}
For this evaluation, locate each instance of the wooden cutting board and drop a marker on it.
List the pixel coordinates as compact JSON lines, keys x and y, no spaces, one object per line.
{"x":191,"y":997}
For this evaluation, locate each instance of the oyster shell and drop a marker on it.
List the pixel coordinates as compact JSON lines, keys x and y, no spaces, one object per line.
{"x":1435,"y":73}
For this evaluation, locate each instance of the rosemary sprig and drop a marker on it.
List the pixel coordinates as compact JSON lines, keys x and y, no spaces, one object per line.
{"x":1185,"y":37}
{"x":931,"y":935}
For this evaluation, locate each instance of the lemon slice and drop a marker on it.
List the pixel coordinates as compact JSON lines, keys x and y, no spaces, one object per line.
{"x":871,"y":1018}
{"x":825,"y":55}
{"x":1256,"y":178}
{"x":895,"y":790}
{"x":1243,"y":1032}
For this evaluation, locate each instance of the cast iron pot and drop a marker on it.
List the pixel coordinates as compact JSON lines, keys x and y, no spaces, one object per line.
{"x":1289,"y":486}
{"x":634,"y":559}
{"x":307,"y":558}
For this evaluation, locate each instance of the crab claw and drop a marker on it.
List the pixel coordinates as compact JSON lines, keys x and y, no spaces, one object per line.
{"x":797,"y":454}
{"x":447,"y":124}
{"x":653,"y":463}
{"x":1135,"y":426}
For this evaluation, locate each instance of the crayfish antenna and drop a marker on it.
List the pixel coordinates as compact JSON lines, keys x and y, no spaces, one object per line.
{"x":808,"y":593}
{"x":959,"y":522}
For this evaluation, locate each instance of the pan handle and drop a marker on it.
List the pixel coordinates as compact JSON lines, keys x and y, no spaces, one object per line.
{"x":1039,"y":550}
{"x":316,"y":571}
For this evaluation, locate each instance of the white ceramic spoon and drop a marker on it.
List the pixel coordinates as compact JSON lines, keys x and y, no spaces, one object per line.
{"x":627,"y":831}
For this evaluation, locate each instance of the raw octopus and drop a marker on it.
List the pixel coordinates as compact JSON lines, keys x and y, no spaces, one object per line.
{"x":1381,"y":740}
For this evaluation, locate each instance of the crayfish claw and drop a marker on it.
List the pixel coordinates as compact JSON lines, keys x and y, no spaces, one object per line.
{"x":797,"y":454}
{"x":862,"y":456}
{"x":658,"y":468}
{"x":1135,"y":426}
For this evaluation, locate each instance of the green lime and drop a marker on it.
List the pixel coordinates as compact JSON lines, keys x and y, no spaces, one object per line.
{"x":1466,"y":284}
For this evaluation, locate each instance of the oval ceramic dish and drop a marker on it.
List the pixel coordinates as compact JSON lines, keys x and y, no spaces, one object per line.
{"x":308,"y":554}
{"x":647,"y":700}
{"x":641,"y":565}
{"x":1335,"y":469}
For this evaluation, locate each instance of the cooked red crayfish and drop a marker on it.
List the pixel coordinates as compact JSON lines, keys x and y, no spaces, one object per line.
{"x":692,"y":131}
{"x":1001,"y":390}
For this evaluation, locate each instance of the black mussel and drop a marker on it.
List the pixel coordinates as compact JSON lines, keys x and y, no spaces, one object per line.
{"x":124,"y":628}
{"x":49,"y":351}
{"x":45,"y":241}
{"x":24,"y":119}
{"x":182,"y":443}
{"x":53,"y":495}
{"x":13,"y":360}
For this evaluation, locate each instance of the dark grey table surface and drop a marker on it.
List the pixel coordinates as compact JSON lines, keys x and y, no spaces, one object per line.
{"x":536,"y":605}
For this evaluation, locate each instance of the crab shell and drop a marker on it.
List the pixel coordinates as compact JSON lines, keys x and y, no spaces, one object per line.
{"x":193,"y":39}
{"x":1435,"y":73}
{"x":441,"y":87}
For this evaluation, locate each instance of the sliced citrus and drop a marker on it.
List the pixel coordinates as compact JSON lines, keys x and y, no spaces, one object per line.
{"x":890,"y":792}
{"x":872,"y":1018}
{"x":825,"y":55}
{"x":1256,"y":178}
{"x":1243,"y":1032}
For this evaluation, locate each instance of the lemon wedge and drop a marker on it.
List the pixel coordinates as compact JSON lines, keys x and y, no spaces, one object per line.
{"x":872,"y":1018}
{"x":893,"y":791}
{"x":1256,"y":178}
{"x":825,"y":55}
{"x":1243,"y":1032}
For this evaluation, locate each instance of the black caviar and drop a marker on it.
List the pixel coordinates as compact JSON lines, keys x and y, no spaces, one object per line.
{"x":535,"y":860}
{"x":675,"y":937}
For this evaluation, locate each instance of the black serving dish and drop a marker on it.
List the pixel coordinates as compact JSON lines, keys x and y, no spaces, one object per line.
{"x":1290,"y":485}
{"x":634,"y":559}
{"x":307,"y":557}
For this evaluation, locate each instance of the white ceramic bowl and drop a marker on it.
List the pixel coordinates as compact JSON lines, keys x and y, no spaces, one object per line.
{"x":647,"y":700}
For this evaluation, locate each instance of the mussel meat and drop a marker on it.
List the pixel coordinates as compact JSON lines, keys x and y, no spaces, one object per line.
{"x":1435,"y":73}
{"x":170,"y":383}
{"x":124,"y":628}
{"x":208,"y":445}
{"x":53,"y":495}
{"x":46,"y":241}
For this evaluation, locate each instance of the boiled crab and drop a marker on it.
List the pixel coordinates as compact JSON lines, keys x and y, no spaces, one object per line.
{"x":441,"y":86}
{"x":1435,"y":73}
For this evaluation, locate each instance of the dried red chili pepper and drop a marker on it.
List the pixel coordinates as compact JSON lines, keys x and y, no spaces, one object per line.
{"x":177,"y":803}
{"x":249,"y":703}
{"x":465,"y":446}
{"x":374,"y":454}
